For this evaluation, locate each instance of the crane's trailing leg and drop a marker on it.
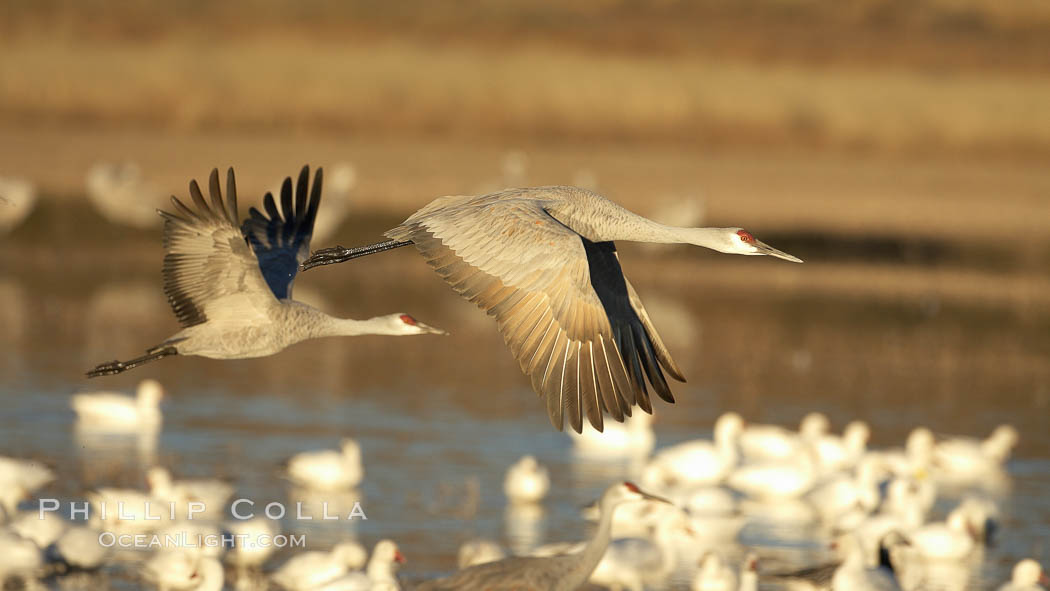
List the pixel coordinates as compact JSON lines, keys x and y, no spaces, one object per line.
{"x":339,"y":254}
{"x":115,"y":367}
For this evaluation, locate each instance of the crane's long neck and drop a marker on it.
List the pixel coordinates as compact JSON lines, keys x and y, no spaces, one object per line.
{"x":613,"y":222}
{"x":331,"y":326}
{"x":595,"y":548}
{"x":650,"y":231}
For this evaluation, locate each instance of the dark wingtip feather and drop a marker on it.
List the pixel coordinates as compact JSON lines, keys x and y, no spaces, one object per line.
{"x":286,"y":201}
{"x":650,"y":364}
{"x":231,"y":197}
{"x":302,"y":186}
{"x":315,"y":202}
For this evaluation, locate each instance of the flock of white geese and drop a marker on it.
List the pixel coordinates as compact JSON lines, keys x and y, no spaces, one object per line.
{"x":872,"y":507}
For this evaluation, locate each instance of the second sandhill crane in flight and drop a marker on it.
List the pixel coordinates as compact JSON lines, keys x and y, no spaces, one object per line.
{"x":543,"y":262}
{"x":231,"y":286}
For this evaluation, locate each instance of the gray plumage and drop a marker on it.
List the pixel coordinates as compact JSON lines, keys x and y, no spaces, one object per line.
{"x":564,"y":572}
{"x":543,"y":262}
{"x":230,"y":285}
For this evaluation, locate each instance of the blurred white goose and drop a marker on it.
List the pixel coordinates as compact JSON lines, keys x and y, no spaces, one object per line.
{"x":773,"y":442}
{"x":125,"y":510}
{"x":109,"y":411}
{"x":836,"y":453}
{"x":638,"y":562}
{"x":79,"y":548}
{"x":915,"y":458}
{"x":982,"y":517}
{"x":121,"y":194}
{"x":328,"y":469}
{"x":18,"y":479}
{"x":966,"y":459}
{"x":183,"y":569}
{"x":634,"y":438}
{"x":41,"y":528}
{"x":1027,"y":576}
{"x":904,"y":509}
{"x":854,"y":574}
{"x":844,"y":491}
{"x":948,"y":540}
{"x":526,"y":482}
{"x":312,"y":569}
{"x":17,"y":198}
{"x":714,"y":574}
{"x":910,"y":496}
{"x":211,"y":494}
{"x":478,"y":551}
{"x":777,"y":480}
{"x":247,"y":551}
{"x":18,"y":557}
{"x":697,"y":462}
{"x":705,"y":500}
{"x":381,"y":572}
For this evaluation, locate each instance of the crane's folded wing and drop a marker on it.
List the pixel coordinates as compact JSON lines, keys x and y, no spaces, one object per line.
{"x":584,"y":351}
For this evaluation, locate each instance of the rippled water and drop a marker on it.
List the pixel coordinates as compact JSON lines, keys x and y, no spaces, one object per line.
{"x":440,"y":418}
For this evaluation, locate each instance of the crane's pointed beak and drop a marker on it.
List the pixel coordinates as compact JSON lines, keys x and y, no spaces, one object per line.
{"x":427,"y":329}
{"x":651,"y":497}
{"x":764,"y":248}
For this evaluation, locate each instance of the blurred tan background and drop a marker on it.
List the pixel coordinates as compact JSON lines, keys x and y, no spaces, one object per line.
{"x":899,"y":146}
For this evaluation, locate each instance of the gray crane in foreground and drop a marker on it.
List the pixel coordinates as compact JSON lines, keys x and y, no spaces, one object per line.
{"x":231,"y":286}
{"x":543,"y":262}
{"x":563,"y":572}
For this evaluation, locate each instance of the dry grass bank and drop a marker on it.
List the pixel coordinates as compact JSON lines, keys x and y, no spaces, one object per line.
{"x":871,"y":75}
{"x":524,"y":92}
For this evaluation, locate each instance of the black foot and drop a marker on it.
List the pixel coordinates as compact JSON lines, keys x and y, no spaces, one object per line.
{"x":108,"y":369}
{"x":325,"y":256}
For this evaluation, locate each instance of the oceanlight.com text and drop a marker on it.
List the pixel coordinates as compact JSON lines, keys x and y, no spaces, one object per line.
{"x":183,"y":540}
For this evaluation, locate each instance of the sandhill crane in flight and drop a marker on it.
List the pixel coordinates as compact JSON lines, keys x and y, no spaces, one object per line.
{"x":231,"y":286}
{"x":543,"y":262}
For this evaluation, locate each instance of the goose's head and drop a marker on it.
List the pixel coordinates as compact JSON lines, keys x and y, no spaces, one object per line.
{"x":149,"y":393}
{"x":158,"y":478}
{"x":350,"y":448}
{"x":387,"y":552}
{"x":1028,"y":573}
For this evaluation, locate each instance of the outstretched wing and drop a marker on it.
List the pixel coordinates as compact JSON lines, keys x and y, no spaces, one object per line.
{"x":281,"y":243}
{"x":560,"y":301}
{"x":208,"y":259}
